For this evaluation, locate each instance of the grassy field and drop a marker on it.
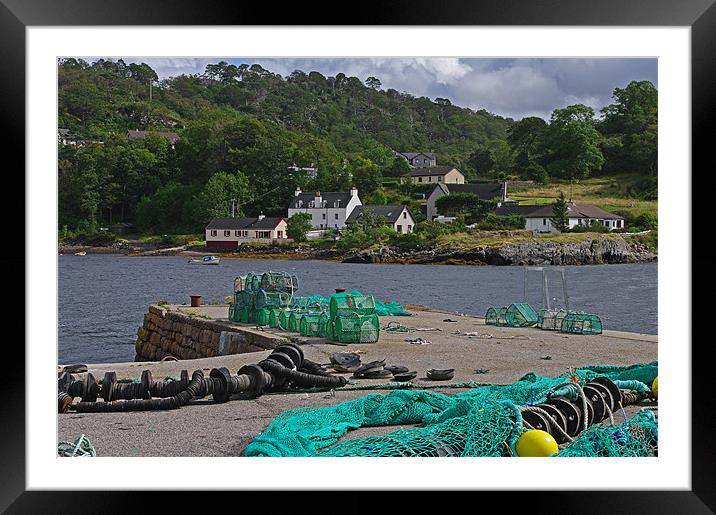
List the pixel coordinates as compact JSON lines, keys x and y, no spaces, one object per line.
{"x":609,"y":193}
{"x":468,"y":241}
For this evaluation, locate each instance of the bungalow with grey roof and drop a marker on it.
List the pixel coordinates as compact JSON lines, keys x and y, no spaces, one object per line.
{"x":538,"y":218}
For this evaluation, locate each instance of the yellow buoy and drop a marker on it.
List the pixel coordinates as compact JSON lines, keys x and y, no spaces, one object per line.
{"x":536,"y":443}
{"x":655,"y":388}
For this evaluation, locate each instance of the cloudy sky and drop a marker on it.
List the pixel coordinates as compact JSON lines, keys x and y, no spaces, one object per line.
{"x":508,"y":87}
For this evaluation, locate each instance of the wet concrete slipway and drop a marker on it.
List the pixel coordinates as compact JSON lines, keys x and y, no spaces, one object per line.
{"x":489,"y":355}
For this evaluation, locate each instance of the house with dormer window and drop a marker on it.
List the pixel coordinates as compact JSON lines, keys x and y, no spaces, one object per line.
{"x":328,"y":209}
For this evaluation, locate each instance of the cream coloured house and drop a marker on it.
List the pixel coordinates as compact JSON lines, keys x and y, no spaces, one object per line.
{"x":434,"y":175}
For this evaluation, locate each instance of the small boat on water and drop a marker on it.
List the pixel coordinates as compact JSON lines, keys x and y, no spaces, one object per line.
{"x":206,"y":260}
{"x":82,"y":253}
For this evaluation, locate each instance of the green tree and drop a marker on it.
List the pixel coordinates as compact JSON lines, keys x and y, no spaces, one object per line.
{"x":630,"y":129}
{"x":560,"y":213}
{"x":572,"y":143}
{"x":216,"y":198}
{"x":298,"y":225}
{"x":526,"y":138}
{"x":398,"y":168}
{"x":366,"y":177}
{"x":372,"y":83}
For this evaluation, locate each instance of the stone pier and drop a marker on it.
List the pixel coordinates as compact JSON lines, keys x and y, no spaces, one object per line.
{"x":192,"y":333}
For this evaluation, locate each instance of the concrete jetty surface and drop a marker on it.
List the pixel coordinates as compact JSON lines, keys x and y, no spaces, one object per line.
{"x":465,"y":344}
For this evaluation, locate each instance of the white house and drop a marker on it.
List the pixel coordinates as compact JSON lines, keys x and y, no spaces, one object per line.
{"x":398,"y":216}
{"x":487,"y":191}
{"x":229,"y":233}
{"x":537,"y":218}
{"x":434,"y":175}
{"x":328,"y":210}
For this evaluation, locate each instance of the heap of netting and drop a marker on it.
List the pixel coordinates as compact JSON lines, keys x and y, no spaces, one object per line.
{"x":269,"y":298}
{"x":483,"y":422}
{"x":523,"y":315}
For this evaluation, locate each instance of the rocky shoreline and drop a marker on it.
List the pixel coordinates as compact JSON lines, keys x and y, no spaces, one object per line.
{"x":588,"y":252}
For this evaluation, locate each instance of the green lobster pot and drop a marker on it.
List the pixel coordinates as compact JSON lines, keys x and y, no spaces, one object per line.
{"x":283,"y":317}
{"x":309,"y":325}
{"x":299,"y":302}
{"x":521,"y":315}
{"x":342,"y":304}
{"x":262,"y":316}
{"x":273,"y":317}
{"x":248,"y":299}
{"x":323,"y":325}
{"x":581,"y":323}
{"x":293,"y":322}
{"x":356,"y":328}
{"x":279,"y":281}
{"x":244,"y":315}
{"x":271,"y":299}
{"x":551,"y":320}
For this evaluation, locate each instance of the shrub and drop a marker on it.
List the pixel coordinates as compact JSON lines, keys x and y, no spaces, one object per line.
{"x":298,"y":225}
{"x":406,"y":240}
{"x":430,"y":231}
{"x":647,"y":221}
{"x":493,"y":222}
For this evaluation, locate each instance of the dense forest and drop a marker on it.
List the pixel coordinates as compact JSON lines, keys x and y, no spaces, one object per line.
{"x":245,"y":133}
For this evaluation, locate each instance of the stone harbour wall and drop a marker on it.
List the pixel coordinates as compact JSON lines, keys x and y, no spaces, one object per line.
{"x":166,"y":332}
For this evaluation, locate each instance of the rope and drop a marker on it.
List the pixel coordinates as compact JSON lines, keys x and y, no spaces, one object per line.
{"x":81,"y":447}
{"x":549,"y":418}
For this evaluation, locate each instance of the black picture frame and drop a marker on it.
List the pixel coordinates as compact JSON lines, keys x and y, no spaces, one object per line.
{"x":700,"y":15}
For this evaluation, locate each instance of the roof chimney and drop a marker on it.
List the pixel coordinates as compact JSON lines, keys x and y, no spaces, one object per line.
{"x":354,"y":191}
{"x":261,"y":216}
{"x":318,"y":201}
{"x":297,"y":192}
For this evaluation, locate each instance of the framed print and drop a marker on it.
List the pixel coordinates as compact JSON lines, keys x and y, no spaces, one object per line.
{"x":266,"y":244}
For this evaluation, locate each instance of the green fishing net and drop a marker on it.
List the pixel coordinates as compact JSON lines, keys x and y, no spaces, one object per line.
{"x":484,"y":421}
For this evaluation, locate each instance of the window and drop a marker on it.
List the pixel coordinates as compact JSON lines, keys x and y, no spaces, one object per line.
{"x":237,"y":233}
{"x":420,"y":179}
{"x":410,"y":228}
{"x":544,"y":221}
{"x":405,"y":214}
{"x":213,"y":233}
{"x":440,"y":178}
{"x":400,"y":228}
{"x":336,"y":215}
{"x":227,"y":233}
{"x":279,"y":234}
{"x":324,"y":216}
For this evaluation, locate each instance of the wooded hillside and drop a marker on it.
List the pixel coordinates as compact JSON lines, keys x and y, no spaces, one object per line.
{"x":243,"y":128}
